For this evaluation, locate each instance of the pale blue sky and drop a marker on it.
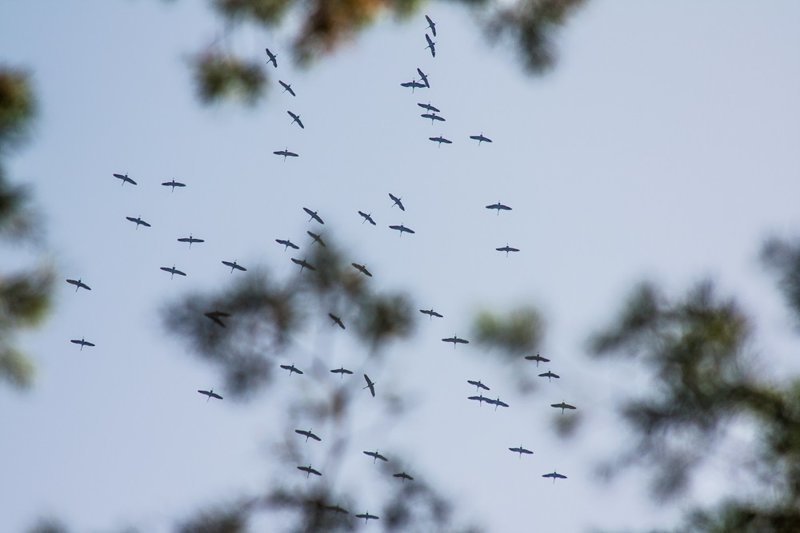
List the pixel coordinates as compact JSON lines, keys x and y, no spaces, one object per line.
{"x":663,"y":145}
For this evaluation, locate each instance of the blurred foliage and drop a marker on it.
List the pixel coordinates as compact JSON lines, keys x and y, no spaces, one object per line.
{"x":24,"y":296}
{"x":696,"y":353}
{"x":520,"y":331}
{"x":220,"y":77}
{"x":530,"y":25}
{"x":784,"y":258}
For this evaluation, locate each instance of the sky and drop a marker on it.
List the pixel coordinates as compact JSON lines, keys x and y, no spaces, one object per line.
{"x":663,"y":146}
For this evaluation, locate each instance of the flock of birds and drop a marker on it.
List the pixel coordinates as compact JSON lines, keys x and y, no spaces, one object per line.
{"x":217,"y":316}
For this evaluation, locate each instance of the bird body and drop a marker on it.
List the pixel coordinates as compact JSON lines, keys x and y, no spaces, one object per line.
{"x":234,"y":266}
{"x":83,"y":342}
{"x":309,"y":470}
{"x":287,"y":243}
{"x":216,"y":317}
{"x":287,"y":87}
{"x":336,"y":320}
{"x":562,"y":406}
{"x":172,"y":271}
{"x":499,"y":207}
{"x":433,"y":116}
{"x":431,"y":313}
{"x":424,"y":78}
{"x":296,"y":118}
{"x":478,"y":384}
{"x":375,"y":456}
{"x":367,"y":217}
{"x":78,"y":284}
{"x":555,"y":475}
{"x":271,"y":58}
{"x":308,"y":434}
{"x":210,"y":394}
{"x":341,"y":371}
{"x":549,"y":375}
{"x":370,"y":385}
{"x":403,"y":476}
{"x":139,"y":222}
{"x":317,"y":238}
{"x":431,"y":25}
{"x":440,"y":140}
{"x":173,"y":184}
{"x":402,"y":229}
{"x":292,"y":369}
{"x":481,"y":138}
{"x":428,"y":107}
{"x":397,"y":202}
{"x":538,"y":358}
{"x":303,"y":264}
{"x":124,"y":178}
{"x":190,"y":239}
{"x":507,"y":249}
{"x":455,"y":340}
{"x":313,"y":215}
{"x":362,"y":269}
{"x":431,"y":45}
{"x":520,"y":450}
{"x":367,"y":517}
{"x":285,"y":153}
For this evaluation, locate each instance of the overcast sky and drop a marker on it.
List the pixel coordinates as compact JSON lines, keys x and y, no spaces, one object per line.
{"x":664,"y":146}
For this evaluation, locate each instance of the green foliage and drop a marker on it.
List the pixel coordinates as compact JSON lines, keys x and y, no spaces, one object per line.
{"x":25,"y":296}
{"x":530,"y":25}
{"x":17,"y":106}
{"x":219,"y":77}
{"x":520,"y":331}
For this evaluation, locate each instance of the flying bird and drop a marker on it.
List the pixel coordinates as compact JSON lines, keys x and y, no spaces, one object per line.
{"x":370,"y":385}
{"x":313,"y":215}
{"x":549,"y":375}
{"x":210,"y":394}
{"x":555,"y":475}
{"x":217,"y":316}
{"x":341,"y":371}
{"x":308,"y":470}
{"x":433,"y":116}
{"x":124,"y":178}
{"x":520,"y":450}
{"x":428,"y":107}
{"x":538,"y":358}
{"x":78,"y":284}
{"x":440,"y":140}
{"x":317,"y":238}
{"x":285,"y":153}
{"x":367,"y":217}
{"x":367,"y":517}
{"x":402,"y":229}
{"x":480,"y":399}
{"x":431,"y":313}
{"x":303,"y":264}
{"x":83,"y":342}
{"x":292,"y":369}
{"x":375,"y":456}
{"x":234,"y":266}
{"x":362,"y":269}
{"x":173,"y":184}
{"x":286,"y":244}
{"x":271,"y":58}
{"x":455,"y":340}
{"x":397,"y":202}
{"x":424,"y":78}
{"x":139,"y":222}
{"x":287,"y":87}
{"x":336,"y":320}
{"x":431,"y":45}
{"x":499,"y":207}
{"x":431,"y":25}
{"x":507,"y":249}
{"x":478,"y":384}
{"x":190,"y":240}
{"x":480,"y":138}
{"x":403,"y":476}
{"x":296,"y":118}
{"x":172,"y":271}
{"x":497,"y":403}
{"x":414,"y":84}
{"x":562,"y":406}
{"x":307,"y":434}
